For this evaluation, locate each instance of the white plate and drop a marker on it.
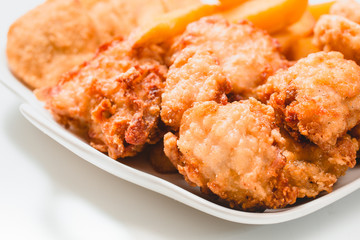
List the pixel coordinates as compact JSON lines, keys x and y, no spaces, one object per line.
{"x":138,"y":171}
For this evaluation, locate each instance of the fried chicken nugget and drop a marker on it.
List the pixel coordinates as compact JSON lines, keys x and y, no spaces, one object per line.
{"x":336,"y":33}
{"x":247,"y":55}
{"x":195,"y":76}
{"x":113,"y":100}
{"x":349,"y":9}
{"x":237,"y":152}
{"x":232,"y":150}
{"x":49,"y":40}
{"x":317,"y":98}
{"x":60,"y":34}
{"x":311,"y":169}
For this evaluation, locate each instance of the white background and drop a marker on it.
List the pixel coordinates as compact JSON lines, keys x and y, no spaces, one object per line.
{"x":46,"y":192}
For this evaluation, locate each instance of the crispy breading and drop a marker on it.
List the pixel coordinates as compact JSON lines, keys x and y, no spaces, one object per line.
{"x":195,"y":76}
{"x":311,"y":169}
{"x":49,"y":40}
{"x":60,"y":34}
{"x":114,"y":99}
{"x":336,"y":33}
{"x":247,"y":55}
{"x":349,"y":9}
{"x":237,"y":152}
{"x":318,"y":98}
{"x":232,"y":150}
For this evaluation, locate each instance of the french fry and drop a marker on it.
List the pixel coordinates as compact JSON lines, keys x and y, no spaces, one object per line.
{"x":320,"y":9}
{"x":302,"y":28}
{"x":170,"y":24}
{"x":302,"y":47}
{"x":173,"y":23}
{"x":273,"y":16}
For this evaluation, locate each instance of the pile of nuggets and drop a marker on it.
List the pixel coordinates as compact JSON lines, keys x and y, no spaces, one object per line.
{"x":219,"y":103}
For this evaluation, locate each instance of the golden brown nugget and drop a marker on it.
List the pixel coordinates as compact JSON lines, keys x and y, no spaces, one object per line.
{"x":60,"y":34}
{"x":247,"y":54}
{"x":237,"y":152}
{"x":195,"y":76}
{"x":232,"y":150}
{"x":113,"y":100}
{"x":318,"y":98}
{"x":349,"y":9}
{"x":336,"y":33}
{"x":50,"y":40}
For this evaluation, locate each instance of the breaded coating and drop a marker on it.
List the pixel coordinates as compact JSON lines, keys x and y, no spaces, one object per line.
{"x":49,"y":40}
{"x":60,"y":34}
{"x":113,"y":100}
{"x":336,"y":33}
{"x":349,"y":9}
{"x":312,"y":170}
{"x":247,"y":55}
{"x":233,"y":151}
{"x":317,"y":98}
{"x":237,"y":152}
{"x":195,"y":76}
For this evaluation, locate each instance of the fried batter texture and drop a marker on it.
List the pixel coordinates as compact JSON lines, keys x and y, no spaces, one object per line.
{"x":195,"y":76}
{"x":246,"y":54}
{"x":237,"y":152}
{"x":60,"y":34}
{"x":49,"y":40}
{"x":349,"y":9}
{"x":336,"y":33}
{"x":318,"y":98}
{"x":114,"y":99}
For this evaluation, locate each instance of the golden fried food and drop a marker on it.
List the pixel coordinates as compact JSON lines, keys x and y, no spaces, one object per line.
{"x":237,"y":152}
{"x":336,"y":33}
{"x":349,"y":9}
{"x":50,"y":40}
{"x":114,"y":99}
{"x":246,"y":54}
{"x":232,"y":150}
{"x":317,"y":98}
{"x":195,"y":76}
{"x":60,"y":34}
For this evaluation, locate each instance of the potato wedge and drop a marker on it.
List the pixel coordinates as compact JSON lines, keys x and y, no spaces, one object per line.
{"x":301,"y":48}
{"x":170,"y":24}
{"x":273,"y":16}
{"x":173,"y":23}
{"x":302,"y":28}
{"x":320,"y":9}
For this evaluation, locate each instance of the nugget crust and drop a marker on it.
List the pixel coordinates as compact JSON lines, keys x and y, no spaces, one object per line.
{"x":233,"y":151}
{"x":318,"y":97}
{"x":237,"y":152}
{"x":114,"y":99}
{"x":336,"y":33}
{"x":349,"y":9}
{"x":41,"y":46}
{"x":195,"y":76}
{"x":247,"y":55}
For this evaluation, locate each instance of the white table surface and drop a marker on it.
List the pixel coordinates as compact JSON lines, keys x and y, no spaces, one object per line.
{"x":46,"y":192}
